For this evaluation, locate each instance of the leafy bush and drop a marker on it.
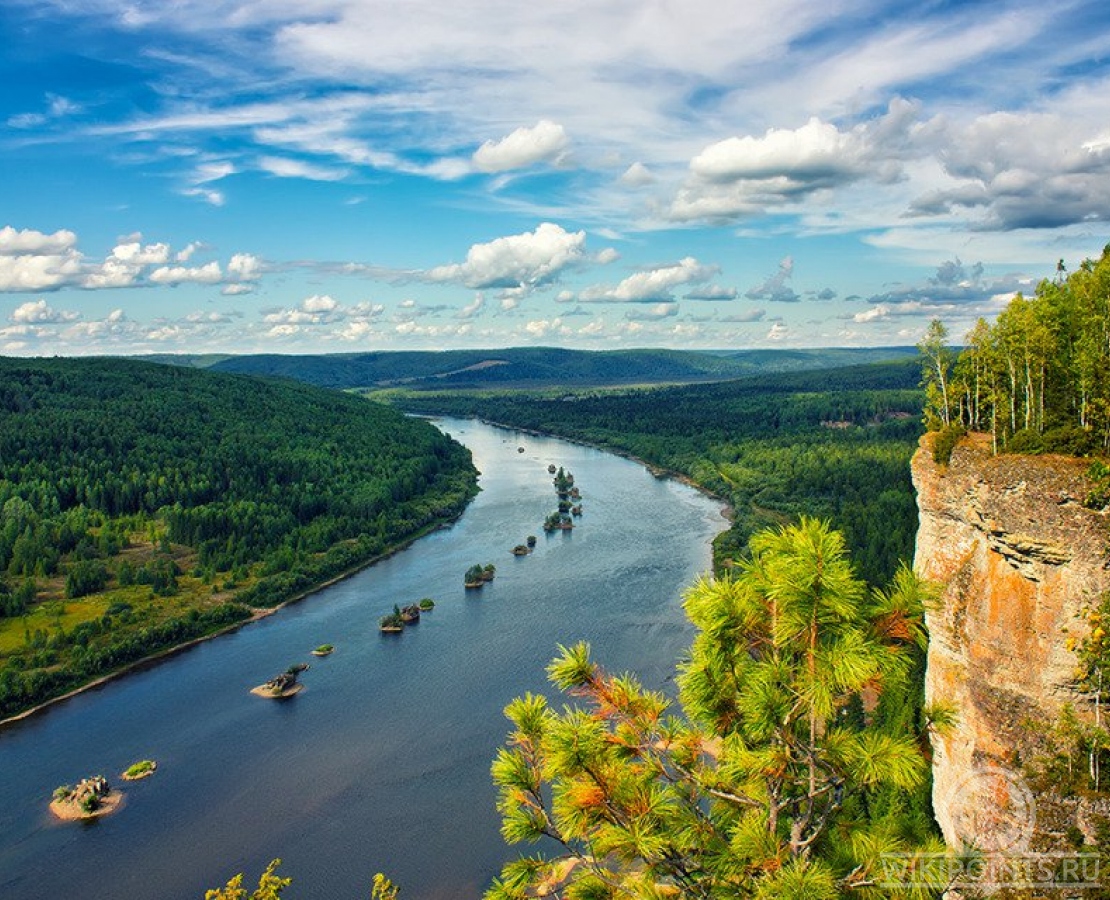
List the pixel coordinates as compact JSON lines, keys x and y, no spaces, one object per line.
{"x":1026,"y":441}
{"x":945,"y":442}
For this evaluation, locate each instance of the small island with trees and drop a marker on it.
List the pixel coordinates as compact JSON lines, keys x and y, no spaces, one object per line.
{"x":477,"y":576}
{"x":282,"y":686}
{"x":144,"y":768}
{"x":568,"y":509}
{"x":392,"y":623}
{"x":90,"y":798}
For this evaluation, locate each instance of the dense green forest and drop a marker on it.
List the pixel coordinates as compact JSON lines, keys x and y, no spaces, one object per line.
{"x":833,"y":443}
{"x":535,"y":367}
{"x":143,"y":505}
{"x":1039,"y":378}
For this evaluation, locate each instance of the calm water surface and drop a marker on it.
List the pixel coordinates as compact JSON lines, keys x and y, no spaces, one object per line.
{"x":382,"y":762}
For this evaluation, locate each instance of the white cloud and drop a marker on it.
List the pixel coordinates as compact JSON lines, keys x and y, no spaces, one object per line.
{"x":473,"y":308}
{"x":777,"y":287}
{"x":211,"y":197}
{"x":712,"y":292}
{"x":38,"y":273}
{"x":244,"y":267}
{"x":320,"y":304}
{"x":283,"y":167}
{"x":527,"y":260}
{"x":652,"y":313}
{"x":209,"y":273}
{"x":778,"y":332}
{"x":872,"y":315}
{"x":29,"y":241}
{"x":745,"y":176}
{"x":653,"y":285}
{"x":546,"y":141}
{"x":186,"y":253}
{"x":637,"y":175}
{"x":37,"y":312}
{"x":539,"y":328}
{"x":816,"y":150}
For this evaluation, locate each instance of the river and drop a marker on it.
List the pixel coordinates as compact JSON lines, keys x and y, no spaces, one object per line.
{"x":382,"y":762}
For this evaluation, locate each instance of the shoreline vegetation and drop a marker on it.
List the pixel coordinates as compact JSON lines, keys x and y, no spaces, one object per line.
{"x":256,"y":615}
{"x":834,"y":443}
{"x":147,"y":508}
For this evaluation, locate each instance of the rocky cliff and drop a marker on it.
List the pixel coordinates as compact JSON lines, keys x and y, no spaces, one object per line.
{"x":1019,"y":556}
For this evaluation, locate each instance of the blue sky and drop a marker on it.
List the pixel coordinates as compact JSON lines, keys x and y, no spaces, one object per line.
{"x":349,"y":175}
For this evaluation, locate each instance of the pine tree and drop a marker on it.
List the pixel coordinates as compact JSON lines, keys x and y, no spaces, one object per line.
{"x":754,"y":789}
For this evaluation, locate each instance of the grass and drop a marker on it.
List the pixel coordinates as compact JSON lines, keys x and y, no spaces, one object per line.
{"x":52,"y":611}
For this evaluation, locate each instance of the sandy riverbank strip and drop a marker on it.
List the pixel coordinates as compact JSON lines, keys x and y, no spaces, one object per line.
{"x":68,"y":811}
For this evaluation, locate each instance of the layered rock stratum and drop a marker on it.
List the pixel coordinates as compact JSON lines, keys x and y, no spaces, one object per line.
{"x":1019,"y":557}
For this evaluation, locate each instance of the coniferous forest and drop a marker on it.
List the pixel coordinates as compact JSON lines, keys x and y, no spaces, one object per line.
{"x":833,"y":443}
{"x":145,"y":505}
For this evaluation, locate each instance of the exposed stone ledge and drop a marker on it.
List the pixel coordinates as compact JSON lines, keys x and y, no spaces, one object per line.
{"x":1019,"y":556}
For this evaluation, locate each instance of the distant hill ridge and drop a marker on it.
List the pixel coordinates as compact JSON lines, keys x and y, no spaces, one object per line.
{"x":532,"y":366}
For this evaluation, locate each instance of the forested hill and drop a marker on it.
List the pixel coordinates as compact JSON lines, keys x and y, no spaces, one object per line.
{"x":534,"y":366}
{"x":833,"y":443}
{"x":136,"y":497}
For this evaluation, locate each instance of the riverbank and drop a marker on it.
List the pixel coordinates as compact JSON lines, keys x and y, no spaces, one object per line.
{"x":257,"y":614}
{"x":349,"y":737}
{"x":659,"y":471}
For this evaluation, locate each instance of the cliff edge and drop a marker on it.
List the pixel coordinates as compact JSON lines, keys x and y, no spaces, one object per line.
{"x":1018,"y":556}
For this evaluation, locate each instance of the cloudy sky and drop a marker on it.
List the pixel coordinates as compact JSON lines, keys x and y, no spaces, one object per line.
{"x":344,"y":175}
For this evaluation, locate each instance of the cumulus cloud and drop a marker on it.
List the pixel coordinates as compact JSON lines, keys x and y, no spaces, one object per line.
{"x":874,"y":314}
{"x":539,"y":328}
{"x":952,"y":285}
{"x":712,"y":292}
{"x":37,"y":312}
{"x":125,"y":264}
{"x":209,"y":273}
{"x":186,"y":252}
{"x":15,"y":243}
{"x":527,"y":260}
{"x":652,"y":285}
{"x":744,"y":176}
{"x":321,"y":309}
{"x":1011,"y":171}
{"x":244,"y":267}
{"x":637,"y":175}
{"x":34,"y":261}
{"x":777,"y":288}
{"x":778,"y":332}
{"x":546,"y":141}
{"x":473,"y":308}
{"x":652,"y":313}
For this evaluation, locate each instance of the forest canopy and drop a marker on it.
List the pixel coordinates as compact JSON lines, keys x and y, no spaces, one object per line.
{"x":1039,"y":378}
{"x":834,"y":443}
{"x":136,"y":497}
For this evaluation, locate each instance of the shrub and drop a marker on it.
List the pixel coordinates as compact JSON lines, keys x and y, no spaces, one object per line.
{"x":1025,"y":441}
{"x":945,"y":442}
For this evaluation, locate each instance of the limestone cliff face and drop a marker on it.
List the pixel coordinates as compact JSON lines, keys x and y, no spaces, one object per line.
{"x":1019,"y":556}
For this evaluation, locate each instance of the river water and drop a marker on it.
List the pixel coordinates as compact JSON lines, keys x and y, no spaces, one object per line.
{"x":382,"y":762}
